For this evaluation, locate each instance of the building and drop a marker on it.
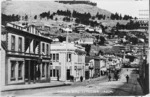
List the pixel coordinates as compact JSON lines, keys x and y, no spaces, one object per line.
{"x":67,"y":65}
{"x":26,"y":55}
{"x":143,"y":15}
{"x":84,"y":41}
{"x":89,"y":67}
{"x":103,"y":68}
{"x":96,"y":66}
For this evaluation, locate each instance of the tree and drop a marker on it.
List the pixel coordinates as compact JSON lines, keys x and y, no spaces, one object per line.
{"x":120,"y":17}
{"x":26,"y":17}
{"x":102,"y":40}
{"x":35,"y":17}
{"x":87,"y":49}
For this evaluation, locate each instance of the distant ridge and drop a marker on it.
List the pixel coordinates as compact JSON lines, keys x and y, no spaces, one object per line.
{"x":88,"y":2}
{"x":37,"y":7}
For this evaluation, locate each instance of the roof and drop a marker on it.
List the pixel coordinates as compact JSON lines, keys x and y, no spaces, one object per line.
{"x":69,"y":46}
{"x":25,"y":33}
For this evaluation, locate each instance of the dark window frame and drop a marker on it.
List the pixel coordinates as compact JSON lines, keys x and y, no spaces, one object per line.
{"x":13,"y":65}
{"x":20,"y":69}
{"x":20,"y":44}
{"x":57,"y":57}
{"x":43,"y":69}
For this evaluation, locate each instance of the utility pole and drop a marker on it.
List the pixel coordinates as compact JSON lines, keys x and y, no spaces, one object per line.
{"x":149,"y":53}
{"x":67,"y":30}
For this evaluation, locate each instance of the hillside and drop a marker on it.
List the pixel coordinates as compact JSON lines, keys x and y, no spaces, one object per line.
{"x":37,"y":7}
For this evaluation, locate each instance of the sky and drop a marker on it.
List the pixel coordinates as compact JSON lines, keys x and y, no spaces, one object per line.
{"x":129,"y":7}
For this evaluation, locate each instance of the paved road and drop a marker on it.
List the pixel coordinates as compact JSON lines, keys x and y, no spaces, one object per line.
{"x":95,"y":87}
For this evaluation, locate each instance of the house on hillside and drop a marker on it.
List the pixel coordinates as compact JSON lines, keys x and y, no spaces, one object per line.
{"x":98,"y":30}
{"x":89,"y":41}
{"x":79,"y":29}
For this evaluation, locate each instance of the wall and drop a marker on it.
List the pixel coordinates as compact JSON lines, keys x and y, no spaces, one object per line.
{"x":3,"y":63}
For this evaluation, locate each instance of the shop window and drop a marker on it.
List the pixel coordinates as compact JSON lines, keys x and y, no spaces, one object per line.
{"x":57,"y":57}
{"x":13,"y":65}
{"x":20,"y":44}
{"x":20,"y":70}
{"x":13,"y":43}
{"x":43,"y":70}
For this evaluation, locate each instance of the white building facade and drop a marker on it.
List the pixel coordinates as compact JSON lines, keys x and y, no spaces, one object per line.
{"x":67,"y":60}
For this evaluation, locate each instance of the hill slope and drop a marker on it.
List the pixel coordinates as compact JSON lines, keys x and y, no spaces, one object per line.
{"x":37,"y":7}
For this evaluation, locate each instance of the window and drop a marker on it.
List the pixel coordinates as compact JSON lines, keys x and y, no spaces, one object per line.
{"x":13,"y":65}
{"x":43,"y":47}
{"x":54,"y":57}
{"x":57,"y":72}
{"x":68,"y":57}
{"x":47,"y":48}
{"x":20,"y":69}
{"x":53,"y":72}
{"x":57,"y":57}
{"x":20,"y":44}
{"x":43,"y":70}
{"x":13,"y":43}
{"x":51,"y":56}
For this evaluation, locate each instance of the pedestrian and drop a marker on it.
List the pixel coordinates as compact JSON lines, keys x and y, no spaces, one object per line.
{"x":127,"y":78}
{"x":109,"y":77}
{"x":81,"y":78}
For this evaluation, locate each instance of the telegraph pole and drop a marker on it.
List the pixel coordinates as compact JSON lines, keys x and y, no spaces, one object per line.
{"x":148,"y":53}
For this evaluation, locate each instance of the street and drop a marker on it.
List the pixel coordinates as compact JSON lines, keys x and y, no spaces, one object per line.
{"x":94,"y":87}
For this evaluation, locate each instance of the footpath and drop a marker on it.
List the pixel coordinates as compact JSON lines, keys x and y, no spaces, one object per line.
{"x":34,"y":86}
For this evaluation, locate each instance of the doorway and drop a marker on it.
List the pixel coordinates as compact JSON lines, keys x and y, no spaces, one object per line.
{"x":68,"y":74}
{"x":30,"y":70}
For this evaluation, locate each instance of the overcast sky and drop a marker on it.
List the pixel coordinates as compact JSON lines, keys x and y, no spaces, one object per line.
{"x":129,"y":7}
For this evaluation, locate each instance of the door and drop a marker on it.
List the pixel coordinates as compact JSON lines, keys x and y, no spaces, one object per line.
{"x":26,"y":70}
{"x":68,"y":74}
{"x":86,"y":74}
